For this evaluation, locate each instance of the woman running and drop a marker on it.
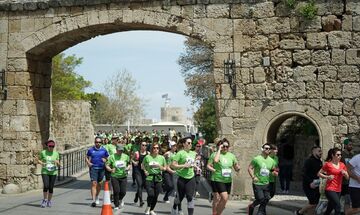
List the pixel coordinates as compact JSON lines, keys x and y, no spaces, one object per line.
{"x":183,"y":163}
{"x":168,"y":174}
{"x":333,"y":170}
{"x":119,"y":165}
{"x":49,"y":160}
{"x":153,"y":166}
{"x":137,"y":160}
{"x":221,"y":164}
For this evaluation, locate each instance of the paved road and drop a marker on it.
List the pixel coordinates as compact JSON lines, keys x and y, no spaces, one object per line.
{"x":74,"y":198}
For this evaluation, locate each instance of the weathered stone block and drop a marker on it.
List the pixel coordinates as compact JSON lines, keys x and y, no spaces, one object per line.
{"x":352,"y":7}
{"x":347,"y":23}
{"x":274,"y":41}
{"x":263,"y":10}
{"x":218,"y":11}
{"x":348,"y":107}
{"x":241,"y":11}
{"x":255,"y":91}
{"x":331,"y":23}
{"x":274,"y":25}
{"x":357,"y":107}
{"x":327,"y":73}
{"x":302,"y":57}
{"x":337,"y":56}
{"x":349,"y":74}
{"x":306,"y":73}
{"x":330,"y":7}
{"x":353,"y":56}
{"x":8,"y":157}
{"x":245,"y":26}
{"x":283,"y":73}
{"x":251,"y":59}
{"x":17,"y":170}
{"x":351,"y":90}
{"x":296,"y":90}
{"x":280,"y":57}
{"x":335,"y":107}
{"x":3,"y":171}
{"x":339,"y":39}
{"x":333,"y":90}
{"x":316,"y":40}
{"x":241,"y":42}
{"x":252,"y":112}
{"x":259,"y":42}
{"x":324,"y":107}
{"x":226,"y":125}
{"x":320,"y":57}
{"x":245,"y":75}
{"x":244,"y":123}
{"x":229,"y":108}
{"x":294,"y":43}
{"x":314,"y":89}
{"x":356,"y":23}
{"x":259,"y":75}
{"x":300,"y":24}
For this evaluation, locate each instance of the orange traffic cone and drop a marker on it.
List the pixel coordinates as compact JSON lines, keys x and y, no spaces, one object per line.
{"x":106,"y":208}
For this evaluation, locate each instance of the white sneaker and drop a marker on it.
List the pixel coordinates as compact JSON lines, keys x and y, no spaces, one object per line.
{"x":122,"y":204}
{"x":197,"y":194}
{"x":147,"y":211}
{"x":97,"y":200}
{"x":174,"y":211}
{"x":167,"y":202}
{"x":180,"y":212}
{"x":116,"y":208}
{"x":152,"y":213}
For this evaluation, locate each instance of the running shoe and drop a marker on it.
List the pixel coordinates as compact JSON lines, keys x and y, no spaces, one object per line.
{"x":210,"y":197}
{"x":152,"y":213}
{"x":122,"y":204}
{"x":43,"y":203}
{"x":180,"y":212}
{"x":116,"y":209}
{"x":197,"y":194}
{"x":97,"y":200}
{"x":93,"y":204}
{"x":49,"y":204}
{"x":142,"y":204}
{"x":147,"y":211}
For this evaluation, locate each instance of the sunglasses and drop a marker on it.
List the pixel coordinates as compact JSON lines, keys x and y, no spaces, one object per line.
{"x":225,"y":146}
{"x":51,"y":146}
{"x":143,"y":145}
{"x":197,"y":146}
{"x":155,"y":147}
{"x":266,"y":148}
{"x":97,"y":142}
{"x":188,"y":142}
{"x":338,"y":155}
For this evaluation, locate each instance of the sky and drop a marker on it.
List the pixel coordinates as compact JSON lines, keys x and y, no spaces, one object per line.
{"x":149,"y":56}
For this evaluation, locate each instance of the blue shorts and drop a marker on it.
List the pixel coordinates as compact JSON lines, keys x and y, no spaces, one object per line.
{"x":96,"y":174}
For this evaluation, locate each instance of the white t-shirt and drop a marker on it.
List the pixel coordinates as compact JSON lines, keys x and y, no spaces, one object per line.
{"x":355,"y":162}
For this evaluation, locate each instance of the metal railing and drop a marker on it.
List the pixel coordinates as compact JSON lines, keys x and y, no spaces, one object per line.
{"x":72,"y":161}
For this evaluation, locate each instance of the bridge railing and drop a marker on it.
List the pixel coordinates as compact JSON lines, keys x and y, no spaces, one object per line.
{"x":72,"y":161}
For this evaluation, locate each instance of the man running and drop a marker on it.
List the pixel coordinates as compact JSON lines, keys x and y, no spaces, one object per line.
{"x":260,"y":169}
{"x":354,"y":184}
{"x":95,"y":159}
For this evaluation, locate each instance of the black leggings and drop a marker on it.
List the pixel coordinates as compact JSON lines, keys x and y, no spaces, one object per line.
{"x":153,"y":190}
{"x":169,"y":184}
{"x":119,"y":188}
{"x":186,"y":188}
{"x":334,"y":202}
{"x":140,"y":181}
{"x":49,"y":183}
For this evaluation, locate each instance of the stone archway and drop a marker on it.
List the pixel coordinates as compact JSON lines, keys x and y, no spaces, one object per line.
{"x":271,"y":119}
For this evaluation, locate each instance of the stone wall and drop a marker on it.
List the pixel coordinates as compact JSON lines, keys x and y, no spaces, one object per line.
{"x":285,"y":65}
{"x":71,"y":124}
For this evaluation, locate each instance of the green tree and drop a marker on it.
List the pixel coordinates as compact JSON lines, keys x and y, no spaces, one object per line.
{"x":197,"y":69}
{"x":205,"y":119}
{"x":66,"y":83}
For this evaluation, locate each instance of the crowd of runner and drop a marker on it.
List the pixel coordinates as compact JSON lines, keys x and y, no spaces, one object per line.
{"x":174,"y":165}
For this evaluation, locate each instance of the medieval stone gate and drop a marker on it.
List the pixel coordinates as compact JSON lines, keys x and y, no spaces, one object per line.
{"x":285,"y":65}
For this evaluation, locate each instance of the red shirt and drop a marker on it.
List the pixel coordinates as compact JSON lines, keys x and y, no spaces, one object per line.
{"x":335,"y":183}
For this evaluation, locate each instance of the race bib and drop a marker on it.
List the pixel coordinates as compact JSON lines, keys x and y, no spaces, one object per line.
{"x":154,"y":164}
{"x":264,"y":172}
{"x":119,"y":164}
{"x":226,"y":173}
{"x":190,"y":160}
{"x":50,"y":167}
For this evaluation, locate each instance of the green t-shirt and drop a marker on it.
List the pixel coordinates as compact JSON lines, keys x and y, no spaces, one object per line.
{"x":223,"y":168}
{"x":127,"y":149}
{"x":120,"y":162}
{"x":262,"y":169}
{"x":110,"y":148}
{"x":183,"y":157}
{"x":49,"y":159}
{"x":148,"y":162}
{"x":276,"y":164}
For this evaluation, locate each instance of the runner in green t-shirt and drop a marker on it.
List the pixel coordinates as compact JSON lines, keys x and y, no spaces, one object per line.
{"x":272,"y":179}
{"x":221,"y":164}
{"x":119,"y":165}
{"x":260,"y":169}
{"x":183,"y":163}
{"x":110,"y":147}
{"x":168,"y":174}
{"x":50,"y":161}
{"x":153,"y":166}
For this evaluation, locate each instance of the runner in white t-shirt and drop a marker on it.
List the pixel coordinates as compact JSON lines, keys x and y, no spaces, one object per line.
{"x":354,"y":184}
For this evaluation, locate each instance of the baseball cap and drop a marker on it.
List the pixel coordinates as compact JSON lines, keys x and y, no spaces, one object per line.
{"x":119,"y":147}
{"x":172,"y":143}
{"x":50,"y":143}
{"x":346,"y":141}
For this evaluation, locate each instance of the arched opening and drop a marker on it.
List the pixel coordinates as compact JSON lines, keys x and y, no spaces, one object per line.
{"x":294,"y":135}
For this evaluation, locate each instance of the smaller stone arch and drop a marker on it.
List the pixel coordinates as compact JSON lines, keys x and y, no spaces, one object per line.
{"x":271,"y":119}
